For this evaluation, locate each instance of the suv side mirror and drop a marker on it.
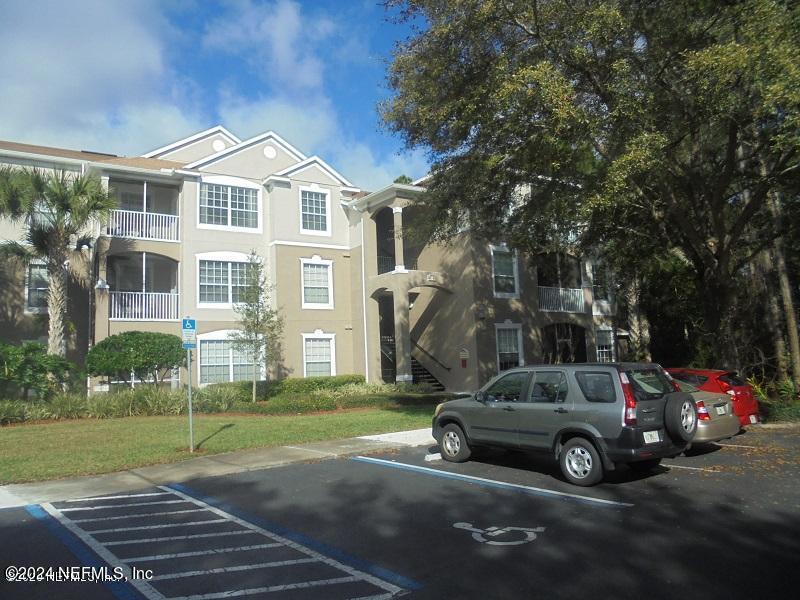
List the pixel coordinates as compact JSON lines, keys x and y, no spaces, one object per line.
{"x":480,"y":397}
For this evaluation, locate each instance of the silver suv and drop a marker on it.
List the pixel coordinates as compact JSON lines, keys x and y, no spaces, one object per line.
{"x":591,"y":417}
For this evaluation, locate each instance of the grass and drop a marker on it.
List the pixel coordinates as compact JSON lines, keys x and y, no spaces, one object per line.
{"x":42,"y":451}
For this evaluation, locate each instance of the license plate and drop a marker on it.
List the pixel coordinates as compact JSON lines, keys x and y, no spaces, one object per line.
{"x":753,"y":419}
{"x":720,"y":410}
{"x":651,"y":437}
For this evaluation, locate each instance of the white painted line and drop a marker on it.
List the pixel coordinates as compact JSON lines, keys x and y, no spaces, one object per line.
{"x":142,"y":527}
{"x":433,"y":457}
{"x":736,"y":446}
{"x":320,"y":452}
{"x":139,"y":559}
{"x":671,"y":466}
{"x":140,"y":584}
{"x":379,"y":597}
{"x":139,"y":515}
{"x":175,"y":538}
{"x":491,"y":482}
{"x":274,"y":588}
{"x":121,"y":505}
{"x":115,"y":497}
{"x":357,"y":575}
{"x":266,"y":565}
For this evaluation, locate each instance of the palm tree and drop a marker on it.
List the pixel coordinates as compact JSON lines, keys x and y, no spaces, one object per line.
{"x":59,"y":210}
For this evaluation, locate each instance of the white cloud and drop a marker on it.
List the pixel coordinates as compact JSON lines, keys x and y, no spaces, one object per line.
{"x":91,"y":75}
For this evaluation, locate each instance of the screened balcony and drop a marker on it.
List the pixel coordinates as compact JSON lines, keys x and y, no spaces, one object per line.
{"x":143,"y":287}
{"x":147,"y":211}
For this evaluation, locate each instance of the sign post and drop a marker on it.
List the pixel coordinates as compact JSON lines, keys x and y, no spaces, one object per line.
{"x":189,"y":335}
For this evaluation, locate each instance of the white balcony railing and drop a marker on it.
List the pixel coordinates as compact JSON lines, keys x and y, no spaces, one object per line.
{"x":553,"y":299}
{"x":143,"y":306}
{"x":143,"y":225}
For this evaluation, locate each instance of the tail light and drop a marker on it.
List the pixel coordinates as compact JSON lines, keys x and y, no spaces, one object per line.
{"x":702,"y":411}
{"x":630,"y":400}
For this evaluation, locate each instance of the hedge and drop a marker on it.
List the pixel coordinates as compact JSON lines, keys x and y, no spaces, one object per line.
{"x":269,"y":389}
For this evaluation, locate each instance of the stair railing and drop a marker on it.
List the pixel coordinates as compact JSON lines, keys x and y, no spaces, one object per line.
{"x":429,"y":355}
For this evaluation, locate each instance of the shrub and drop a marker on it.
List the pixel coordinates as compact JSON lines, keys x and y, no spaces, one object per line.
{"x":219,"y":398}
{"x":290,"y":386}
{"x":29,"y":367}
{"x":12,"y":411}
{"x":148,"y":355}
{"x":66,"y":406}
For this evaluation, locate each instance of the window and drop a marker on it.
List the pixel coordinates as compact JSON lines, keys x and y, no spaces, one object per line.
{"x":222,"y":282}
{"x":317,"y":282}
{"x":220,"y":361}
{"x":600,"y":281}
{"x":507,"y":388}
{"x":228,"y":206}
{"x":319,"y":354}
{"x":36,"y":288}
{"x":509,"y":347}
{"x":605,"y":345}
{"x":504,"y":272}
{"x":314,"y":212}
{"x":549,"y":386}
{"x":596,"y":387}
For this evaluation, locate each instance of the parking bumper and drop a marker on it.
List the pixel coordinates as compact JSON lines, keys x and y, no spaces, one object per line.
{"x":717,"y":429}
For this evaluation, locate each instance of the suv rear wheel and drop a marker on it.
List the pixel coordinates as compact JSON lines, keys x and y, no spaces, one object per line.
{"x":580,"y":462}
{"x":453,"y":445}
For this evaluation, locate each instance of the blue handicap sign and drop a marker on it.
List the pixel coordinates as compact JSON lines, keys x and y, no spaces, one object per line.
{"x":189,"y":324}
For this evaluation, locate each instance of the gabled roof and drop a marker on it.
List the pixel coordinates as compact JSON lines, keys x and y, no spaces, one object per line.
{"x":269,"y":135}
{"x":217,"y":129}
{"x":318,"y":162}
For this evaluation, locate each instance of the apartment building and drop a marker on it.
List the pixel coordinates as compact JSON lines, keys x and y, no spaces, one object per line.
{"x":355,"y":294}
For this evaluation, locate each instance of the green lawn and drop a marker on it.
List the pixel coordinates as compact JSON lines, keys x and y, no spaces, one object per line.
{"x":44,"y":451}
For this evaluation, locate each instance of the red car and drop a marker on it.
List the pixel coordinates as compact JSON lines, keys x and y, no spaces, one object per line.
{"x":728,"y":382}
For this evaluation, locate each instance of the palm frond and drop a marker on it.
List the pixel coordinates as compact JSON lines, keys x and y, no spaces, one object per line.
{"x":19,"y":252}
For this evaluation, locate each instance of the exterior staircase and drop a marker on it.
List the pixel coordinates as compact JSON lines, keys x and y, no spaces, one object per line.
{"x":421,"y":375}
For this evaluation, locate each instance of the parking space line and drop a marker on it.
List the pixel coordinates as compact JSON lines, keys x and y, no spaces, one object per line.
{"x":139,"y":515}
{"x":138,"y":559}
{"x":74,"y":508}
{"x":671,"y":466}
{"x":736,"y":446}
{"x":162,"y":526}
{"x":94,"y":499}
{"x":266,"y":565}
{"x":274,"y":588}
{"x":357,"y":575}
{"x":490,"y":482}
{"x":174,"y":538}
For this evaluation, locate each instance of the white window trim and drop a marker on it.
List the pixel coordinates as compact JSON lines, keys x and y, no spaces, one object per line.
{"x":520,"y":347}
{"x":316,"y":260}
{"x":514,"y":261}
{"x":232,"y":182}
{"x":216,"y":336}
{"x":318,"y":334}
{"x":317,"y":190}
{"x":33,"y":310}
{"x":229,"y":257}
{"x":613,"y":343}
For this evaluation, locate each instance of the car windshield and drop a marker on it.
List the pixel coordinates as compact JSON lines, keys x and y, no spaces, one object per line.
{"x":649,"y":384}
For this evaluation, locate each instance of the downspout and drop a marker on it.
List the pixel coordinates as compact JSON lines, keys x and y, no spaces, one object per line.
{"x":364,"y":301}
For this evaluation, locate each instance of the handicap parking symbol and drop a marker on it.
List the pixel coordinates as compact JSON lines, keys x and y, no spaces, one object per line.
{"x":519,"y":535}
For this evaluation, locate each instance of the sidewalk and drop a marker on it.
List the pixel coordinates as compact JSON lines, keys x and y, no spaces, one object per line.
{"x":20,"y":494}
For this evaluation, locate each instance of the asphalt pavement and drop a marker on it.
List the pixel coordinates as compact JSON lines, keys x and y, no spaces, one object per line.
{"x":398,"y":522}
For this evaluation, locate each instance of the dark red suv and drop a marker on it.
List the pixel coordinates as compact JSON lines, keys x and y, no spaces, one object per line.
{"x":727,"y":382}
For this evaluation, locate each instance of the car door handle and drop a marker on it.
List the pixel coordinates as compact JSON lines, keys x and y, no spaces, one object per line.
{"x":509,"y":408}
{"x":560,"y":410}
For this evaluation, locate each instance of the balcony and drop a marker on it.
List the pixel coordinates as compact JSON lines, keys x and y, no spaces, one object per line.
{"x":143,"y":306}
{"x":143,"y":226}
{"x":556,"y":299}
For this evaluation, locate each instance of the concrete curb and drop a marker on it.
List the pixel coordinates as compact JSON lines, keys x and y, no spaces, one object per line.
{"x":21,"y":494}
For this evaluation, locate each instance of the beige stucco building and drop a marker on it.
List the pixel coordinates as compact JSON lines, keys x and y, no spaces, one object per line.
{"x":355,"y":294}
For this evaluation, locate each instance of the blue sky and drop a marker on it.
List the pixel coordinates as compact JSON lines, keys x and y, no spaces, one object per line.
{"x":126,"y":76}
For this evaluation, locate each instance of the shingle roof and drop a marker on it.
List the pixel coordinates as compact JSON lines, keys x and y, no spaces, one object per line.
{"x":95,"y":157}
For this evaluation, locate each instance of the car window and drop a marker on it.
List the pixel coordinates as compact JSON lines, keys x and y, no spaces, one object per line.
{"x":649,"y":384}
{"x":507,"y":388}
{"x":548,"y":386}
{"x":596,"y":387}
{"x":701,"y":379}
{"x":686,"y":387}
{"x":732,"y":379}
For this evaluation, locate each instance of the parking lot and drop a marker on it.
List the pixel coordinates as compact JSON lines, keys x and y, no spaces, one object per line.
{"x":720,"y":523}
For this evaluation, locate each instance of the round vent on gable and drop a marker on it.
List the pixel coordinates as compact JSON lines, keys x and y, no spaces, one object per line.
{"x":218,"y":145}
{"x":270,"y":152}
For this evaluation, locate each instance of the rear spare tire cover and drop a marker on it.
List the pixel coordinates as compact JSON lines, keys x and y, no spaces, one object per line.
{"x":680,"y":417}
